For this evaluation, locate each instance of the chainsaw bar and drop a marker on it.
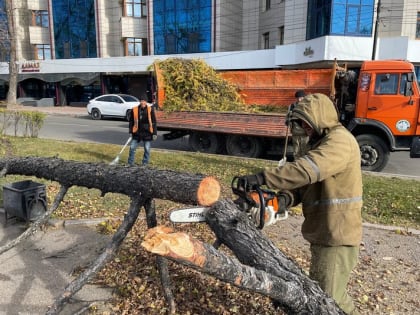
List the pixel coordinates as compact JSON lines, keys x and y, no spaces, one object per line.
{"x":188,"y":215}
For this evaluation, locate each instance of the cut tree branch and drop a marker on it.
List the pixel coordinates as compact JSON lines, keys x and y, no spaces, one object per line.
{"x":151,"y":183}
{"x":273,"y":273}
{"x":262,"y":267}
{"x":142,"y":184}
{"x":291,"y":294}
{"x":125,"y":227}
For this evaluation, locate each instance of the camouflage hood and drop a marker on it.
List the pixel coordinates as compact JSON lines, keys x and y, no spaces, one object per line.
{"x":318,"y":111}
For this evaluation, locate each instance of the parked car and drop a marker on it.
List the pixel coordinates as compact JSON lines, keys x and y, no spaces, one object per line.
{"x":112,"y":105}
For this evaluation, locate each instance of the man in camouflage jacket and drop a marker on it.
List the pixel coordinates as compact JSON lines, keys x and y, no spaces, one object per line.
{"x":327,"y":180}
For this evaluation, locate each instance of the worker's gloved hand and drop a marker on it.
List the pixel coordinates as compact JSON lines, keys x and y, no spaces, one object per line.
{"x":248,"y":181}
{"x":243,"y":204}
{"x":154,"y":137}
{"x":285,"y":200}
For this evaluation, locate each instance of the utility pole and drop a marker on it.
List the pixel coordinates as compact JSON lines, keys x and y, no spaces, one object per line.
{"x":375,"y":34}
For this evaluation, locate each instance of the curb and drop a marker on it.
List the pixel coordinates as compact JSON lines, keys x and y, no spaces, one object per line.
{"x":392,"y":228}
{"x":54,"y":110}
{"x":390,"y":175}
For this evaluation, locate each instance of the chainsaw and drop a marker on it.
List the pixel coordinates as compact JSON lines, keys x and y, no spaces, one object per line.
{"x":261,"y":205}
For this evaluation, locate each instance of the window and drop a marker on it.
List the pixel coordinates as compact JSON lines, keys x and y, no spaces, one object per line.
{"x":386,"y":84}
{"x":193,"y":42}
{"x":136,"y":46}
{"x":339,"y":17}
{"x":417,"y":72}
{"x":40,"y":18}
{"x":136,"y":8}
{"x":74,"y":26}
{"x":182,"y":26}
{"x":66,"y":48}
{"x":42,"y":52}
{"x":267,"y":5}
{"x":170,"y":43}
{"x":403,"y":83}
{"x":281,"y":35}
{"x":418,"y":26}
{"x":266,"y":40}
{"x":83,"y":49}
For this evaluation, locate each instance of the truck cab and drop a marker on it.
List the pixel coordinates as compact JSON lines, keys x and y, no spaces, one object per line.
{"x":385,"y":114}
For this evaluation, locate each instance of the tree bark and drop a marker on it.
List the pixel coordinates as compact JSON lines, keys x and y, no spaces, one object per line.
{"x":161,"y":262}
{"x":140,"y":183}
{"x":13,"y":66}
{"x":131,"y":181}
{"x":264,"y":269}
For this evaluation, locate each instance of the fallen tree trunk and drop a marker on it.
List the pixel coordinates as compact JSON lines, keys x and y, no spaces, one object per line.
{"x":151,"y":183}
{"x":140,"y":183}
{"x":262,"y":268}
{"x":273,"y":274}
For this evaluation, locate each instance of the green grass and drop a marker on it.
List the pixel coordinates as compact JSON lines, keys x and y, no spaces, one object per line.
{"x":390,"y":201}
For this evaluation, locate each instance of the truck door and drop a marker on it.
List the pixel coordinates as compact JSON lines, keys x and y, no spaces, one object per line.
{"x":390,"y":104}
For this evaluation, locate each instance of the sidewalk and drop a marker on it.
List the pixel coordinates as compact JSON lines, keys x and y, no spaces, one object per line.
{"x":54,"y":110}
{"x":36,"y":271}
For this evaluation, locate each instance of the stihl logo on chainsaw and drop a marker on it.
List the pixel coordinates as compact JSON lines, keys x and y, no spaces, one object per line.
{"x":195,"y":215}
{"x":188,"y":215}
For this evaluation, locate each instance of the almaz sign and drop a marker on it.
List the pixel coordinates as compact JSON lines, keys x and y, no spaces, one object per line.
{"x":30,"y":67}
{"x":308,"y":52}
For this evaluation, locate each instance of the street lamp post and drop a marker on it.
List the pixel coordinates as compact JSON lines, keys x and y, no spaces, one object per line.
{"x":375,"y":34}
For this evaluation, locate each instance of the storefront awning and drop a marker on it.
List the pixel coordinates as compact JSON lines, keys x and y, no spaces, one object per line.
{"x":63,"y":78}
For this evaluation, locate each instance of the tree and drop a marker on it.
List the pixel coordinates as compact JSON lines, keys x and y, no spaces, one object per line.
{"x":258,"y":264}
{"x":13,"y":66}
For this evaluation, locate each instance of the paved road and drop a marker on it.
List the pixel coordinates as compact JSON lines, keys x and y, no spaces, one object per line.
{"x":83,"y":128}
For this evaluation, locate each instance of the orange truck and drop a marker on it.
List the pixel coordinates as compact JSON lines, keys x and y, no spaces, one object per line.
{"x":378,"y":103}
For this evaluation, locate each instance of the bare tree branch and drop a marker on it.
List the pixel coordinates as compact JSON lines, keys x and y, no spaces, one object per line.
{"x":130,"y":218}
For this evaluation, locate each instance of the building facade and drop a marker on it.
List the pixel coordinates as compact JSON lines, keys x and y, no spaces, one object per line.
{"x":72,"y":50}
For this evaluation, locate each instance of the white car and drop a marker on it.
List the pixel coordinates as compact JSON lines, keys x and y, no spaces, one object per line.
{"x":112,"y":105}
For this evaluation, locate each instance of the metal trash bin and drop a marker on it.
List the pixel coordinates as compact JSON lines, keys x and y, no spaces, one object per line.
{"x":26,"y":200}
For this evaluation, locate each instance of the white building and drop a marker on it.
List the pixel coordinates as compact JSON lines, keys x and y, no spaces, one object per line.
{"x":71,"y":50}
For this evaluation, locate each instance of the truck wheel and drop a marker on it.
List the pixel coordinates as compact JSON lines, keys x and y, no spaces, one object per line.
{"x":204,"y":142}
{"x":243,"y":146}
{"x":374,"y":152}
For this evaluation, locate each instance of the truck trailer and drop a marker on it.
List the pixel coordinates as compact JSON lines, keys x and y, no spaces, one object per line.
{"x":378,"y":103}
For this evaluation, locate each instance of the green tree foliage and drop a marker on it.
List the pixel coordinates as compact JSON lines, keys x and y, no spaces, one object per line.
{"x":192,"y":85}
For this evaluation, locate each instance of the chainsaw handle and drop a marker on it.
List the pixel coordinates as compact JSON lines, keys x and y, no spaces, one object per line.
{"x":241,"y":188}
{"x":238,"y":188}
{"x":262,"y":207}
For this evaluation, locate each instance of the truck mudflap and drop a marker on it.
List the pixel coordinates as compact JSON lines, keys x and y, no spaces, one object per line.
{"x":415,"y":148}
